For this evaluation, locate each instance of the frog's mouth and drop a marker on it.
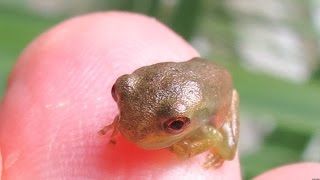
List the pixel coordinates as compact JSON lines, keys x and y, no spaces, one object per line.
{"x":163,"y":140}
{"x":158,"y":144}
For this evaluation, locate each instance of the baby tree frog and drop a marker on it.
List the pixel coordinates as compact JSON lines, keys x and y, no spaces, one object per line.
{"x":186,"y":107}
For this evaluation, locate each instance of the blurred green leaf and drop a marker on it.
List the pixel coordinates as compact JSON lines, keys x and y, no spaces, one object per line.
{"x":316,"y":74}
{"x":186,"y":16}
{"x":294,"y":106}
{"x":268,"y":157}
{"x":281,"y":147}
{"x":17,"y":30}
{"x":288,"y":138}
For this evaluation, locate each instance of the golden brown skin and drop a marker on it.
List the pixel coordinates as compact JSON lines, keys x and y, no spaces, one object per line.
{"x":187,"y":107}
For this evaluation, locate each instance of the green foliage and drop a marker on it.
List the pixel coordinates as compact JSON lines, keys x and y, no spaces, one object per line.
{"x":268,"y":157}
{"x":281,"y":147}
{"x":316,"y":74}
{"x":17,"y":30}
{"x":294,"y":107}
{"x":186,"y":16}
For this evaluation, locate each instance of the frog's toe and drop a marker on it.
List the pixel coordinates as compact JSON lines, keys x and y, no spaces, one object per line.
{"x":105,"y":129}
{"x":213,"y":160}
{"x":113,"y":141}
{"x":181,"y":151}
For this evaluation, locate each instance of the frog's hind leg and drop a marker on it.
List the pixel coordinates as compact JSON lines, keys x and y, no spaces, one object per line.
{"x":114,"y":128}
{"x":230,"y":133}
{"x":230,"y":129}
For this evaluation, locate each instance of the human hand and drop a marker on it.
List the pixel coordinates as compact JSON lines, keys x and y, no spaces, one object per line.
{"x":58,"y":97}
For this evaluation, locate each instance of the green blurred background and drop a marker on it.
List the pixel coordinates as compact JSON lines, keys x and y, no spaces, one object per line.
{"x":272,"y":49}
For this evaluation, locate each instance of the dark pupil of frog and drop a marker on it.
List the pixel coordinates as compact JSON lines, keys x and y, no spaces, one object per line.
{"x":176,"y":125}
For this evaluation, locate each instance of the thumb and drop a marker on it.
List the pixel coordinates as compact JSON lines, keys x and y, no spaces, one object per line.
{"x":58,"y":98}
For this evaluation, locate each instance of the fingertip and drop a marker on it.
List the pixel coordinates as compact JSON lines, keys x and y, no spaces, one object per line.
{"x":162,"y":164}
{"x":63,"y":81}
{"x":293,"y":171}
{"x":108,"y":34}
{"x":1,"y":162}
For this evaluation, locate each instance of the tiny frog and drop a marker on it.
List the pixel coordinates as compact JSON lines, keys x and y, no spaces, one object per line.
{"x":186,"y":107}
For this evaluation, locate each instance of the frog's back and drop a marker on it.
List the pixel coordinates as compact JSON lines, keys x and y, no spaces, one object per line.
{"x":213,"y":79}
{"x":214,"y":82}
{"x":218,"y":88}
{"x":195,"y":69}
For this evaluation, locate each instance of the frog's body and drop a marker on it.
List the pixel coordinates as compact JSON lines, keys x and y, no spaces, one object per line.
{"x":188,"y":107}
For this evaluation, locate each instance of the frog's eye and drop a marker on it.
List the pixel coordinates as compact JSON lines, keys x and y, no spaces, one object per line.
{"x":176,"y":125}
{"x":113,"y":92}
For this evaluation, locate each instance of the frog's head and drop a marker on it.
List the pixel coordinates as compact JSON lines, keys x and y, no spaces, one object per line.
{"x":156,"y":112}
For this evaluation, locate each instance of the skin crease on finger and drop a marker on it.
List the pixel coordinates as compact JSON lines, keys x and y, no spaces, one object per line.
{"x":58,"y":97}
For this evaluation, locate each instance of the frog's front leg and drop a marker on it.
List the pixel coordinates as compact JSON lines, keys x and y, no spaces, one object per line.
{"x":114,"y":128}
{"x":221,"y":142}
{"x":195,"y":144}
{"x":204,"y":139}
{"x":230,"y":132}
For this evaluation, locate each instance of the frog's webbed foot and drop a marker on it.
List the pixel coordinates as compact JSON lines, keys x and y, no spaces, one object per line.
{"x":213,"y":160}
{"x":113,"y":127}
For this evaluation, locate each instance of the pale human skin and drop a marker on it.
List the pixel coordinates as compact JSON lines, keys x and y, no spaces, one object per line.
{"x":52,"y":108}
{"x":187,"y":107}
